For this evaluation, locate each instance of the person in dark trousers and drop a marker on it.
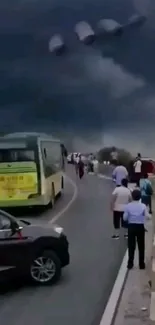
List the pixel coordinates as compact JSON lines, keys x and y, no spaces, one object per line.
{"x":72,"y":159}
{"x":80,"y":168}
{"x":64,"y":154}
{"x":135,"y":214}
{"x":76,"y":161}
{"x":120,"y":197}
{"x":146,"y":191}
{"x":137,"y":168}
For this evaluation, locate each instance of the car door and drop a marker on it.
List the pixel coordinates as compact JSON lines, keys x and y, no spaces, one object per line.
{"x":15,"y":249}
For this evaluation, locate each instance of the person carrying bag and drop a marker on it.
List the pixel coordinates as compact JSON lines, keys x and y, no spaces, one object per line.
{"x":146,"y":192}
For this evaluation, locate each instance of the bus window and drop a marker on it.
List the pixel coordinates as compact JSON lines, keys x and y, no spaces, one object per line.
{"x":54,"y":154}
{"x":53,"y":158}
{"x":16,"y":155}
{"x":48,"y":167}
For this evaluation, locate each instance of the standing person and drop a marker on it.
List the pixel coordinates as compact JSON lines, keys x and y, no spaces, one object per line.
{"x":80,"y":167}
{"x":135,"y":214}
{"x":120,"y":197}
{"x":76,"y":161}
{"x":138,"y":168}
{"x":138,"y":156}
{"x":119,"y":173}
{"x":146,"y":191}
{"x":64,"y":154}
{"x":95,"y":165}
{"x":72,"y":159}
{"x":90,"y":163}
{"x":114,"y":156}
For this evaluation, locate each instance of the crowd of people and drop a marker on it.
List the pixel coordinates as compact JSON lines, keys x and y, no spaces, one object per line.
{"x":131,"y":208}
{"x":81,"y":167}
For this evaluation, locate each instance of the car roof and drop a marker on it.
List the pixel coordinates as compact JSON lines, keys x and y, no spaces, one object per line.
{"x":147,"y":158}
{"x":25,"y":135}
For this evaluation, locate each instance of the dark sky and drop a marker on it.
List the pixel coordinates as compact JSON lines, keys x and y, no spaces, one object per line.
{"x":100,"y":94}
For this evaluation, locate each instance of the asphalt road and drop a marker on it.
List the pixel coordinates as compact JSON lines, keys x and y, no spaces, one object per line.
{"x":81,"y":295}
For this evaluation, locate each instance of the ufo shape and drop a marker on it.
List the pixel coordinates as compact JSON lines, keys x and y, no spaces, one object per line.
{"x":57,"y":44}
{"x":84,"y":32}
{"x":109,"y":26}
{"x":136,"y":20}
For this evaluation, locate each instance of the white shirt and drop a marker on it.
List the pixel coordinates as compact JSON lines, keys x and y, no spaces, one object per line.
{"x":77,"y":160}
{"x":95,"y":162}
{"x":122,"y":196}
{"x":135,"y":212}
{"x":138,"y":166}
{"x":119,"y":173}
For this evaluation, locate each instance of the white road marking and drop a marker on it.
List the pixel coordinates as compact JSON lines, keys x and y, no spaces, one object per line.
{"x":109,"y":312}
{"x":104,"y":176}
{"x":110,"y":309}
{"x":75,"y":194}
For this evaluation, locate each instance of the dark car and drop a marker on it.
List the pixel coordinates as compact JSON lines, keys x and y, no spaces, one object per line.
{"x":35,"y":251}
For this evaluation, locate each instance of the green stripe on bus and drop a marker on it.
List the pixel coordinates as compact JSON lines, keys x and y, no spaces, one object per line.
{"x":12,"y":171}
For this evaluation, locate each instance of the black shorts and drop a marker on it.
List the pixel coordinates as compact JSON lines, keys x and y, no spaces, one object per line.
{"x":118,"y":220}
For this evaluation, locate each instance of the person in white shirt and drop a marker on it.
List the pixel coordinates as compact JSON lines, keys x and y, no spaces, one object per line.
{"x":121,"y":196}
{"x":95,"y":166}
{"x":138,"y":168}
{"x":76,"y":161}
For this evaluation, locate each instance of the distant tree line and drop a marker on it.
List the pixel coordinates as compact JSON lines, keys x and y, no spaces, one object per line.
{"x":124,"y":156}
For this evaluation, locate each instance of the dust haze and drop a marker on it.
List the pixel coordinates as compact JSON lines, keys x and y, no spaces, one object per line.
{"x":91,"y":97}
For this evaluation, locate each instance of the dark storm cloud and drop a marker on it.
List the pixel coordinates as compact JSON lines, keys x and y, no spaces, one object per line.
{"x":89,"y":90}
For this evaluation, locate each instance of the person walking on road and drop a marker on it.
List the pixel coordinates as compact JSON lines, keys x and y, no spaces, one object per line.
{"x":135,"y":214}
{"x":146,"y":191}
{"x":114,"y":157}
{"x":138,"y":168}
{"x":80,"y":168}
{"x":76,"y":161}
{"x":120,"y":197}
{"x":120,"y":172}
{"x":95,"y":165}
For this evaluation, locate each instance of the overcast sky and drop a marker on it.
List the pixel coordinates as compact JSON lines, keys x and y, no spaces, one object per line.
{"x":104,"y":94}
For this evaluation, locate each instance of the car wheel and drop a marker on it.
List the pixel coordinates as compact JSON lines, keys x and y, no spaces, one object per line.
{"x":45,"y":268}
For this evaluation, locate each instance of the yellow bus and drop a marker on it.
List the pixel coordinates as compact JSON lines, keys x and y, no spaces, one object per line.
{"x":31,"y":170}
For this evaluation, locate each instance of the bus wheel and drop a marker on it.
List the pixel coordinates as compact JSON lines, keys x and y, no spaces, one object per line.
{"x":52,"y":195}
{"x":62,"y":186}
